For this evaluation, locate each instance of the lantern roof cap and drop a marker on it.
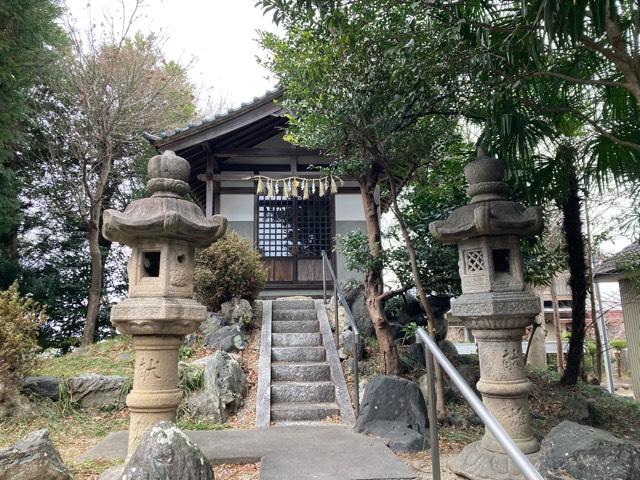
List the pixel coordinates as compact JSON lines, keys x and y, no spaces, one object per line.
{"x":489,"y":211}
{"x":166,"y":214}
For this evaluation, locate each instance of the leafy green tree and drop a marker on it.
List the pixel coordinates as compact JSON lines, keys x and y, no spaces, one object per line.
{"x":28,"y":33}
{"x":565,"y":113}
{"x":369,"y":88}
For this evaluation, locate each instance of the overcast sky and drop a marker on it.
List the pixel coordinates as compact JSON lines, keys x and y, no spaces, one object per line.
{"x":218,"y":36}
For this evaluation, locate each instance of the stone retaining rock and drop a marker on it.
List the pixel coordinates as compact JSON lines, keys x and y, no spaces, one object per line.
{"x":97,"y":391}
{"x":46,"y":387}
{"x":390,"y":407}
{"x":167,"y":453}
{"x":225,"y":387}
{"x":230,"y":339}
{"x":354,"y":296}
{"x":576,"y":451}
{"x":348,"y":344}
{"x":32,"y":458}
{"x":236,"y":310}
{"x":213,"y":323}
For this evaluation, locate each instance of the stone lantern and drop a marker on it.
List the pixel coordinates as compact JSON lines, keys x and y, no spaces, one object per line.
{"x":163,"y":231}
{"x":495,"y":304}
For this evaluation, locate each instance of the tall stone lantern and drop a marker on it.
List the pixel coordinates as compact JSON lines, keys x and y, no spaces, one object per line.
{"x":163,"y":231}
{"x":495,"y":304}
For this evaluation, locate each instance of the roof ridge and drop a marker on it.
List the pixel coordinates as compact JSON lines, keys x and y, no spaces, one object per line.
{"x":205,"y":121}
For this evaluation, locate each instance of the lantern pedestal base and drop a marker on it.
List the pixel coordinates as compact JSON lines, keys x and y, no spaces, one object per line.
{"x":478,"y":463}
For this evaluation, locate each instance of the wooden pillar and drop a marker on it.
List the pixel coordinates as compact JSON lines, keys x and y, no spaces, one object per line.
{"x":209,"y":192}
{"x":630,"y":296}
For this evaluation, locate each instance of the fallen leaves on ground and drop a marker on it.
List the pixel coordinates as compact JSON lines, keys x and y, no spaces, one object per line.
{"x":247,"y":471}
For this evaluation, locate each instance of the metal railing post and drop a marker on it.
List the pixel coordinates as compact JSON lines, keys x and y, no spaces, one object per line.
{"x":356,"y":380}
{"x":335,"y":316}
{"x":431,"y":411}
{"x":324,"y":278}
{"x":506,"y":442}
{"x":339,"y":299}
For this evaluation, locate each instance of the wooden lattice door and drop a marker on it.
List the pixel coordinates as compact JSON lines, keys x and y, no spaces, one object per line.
{"x":291,"y":233}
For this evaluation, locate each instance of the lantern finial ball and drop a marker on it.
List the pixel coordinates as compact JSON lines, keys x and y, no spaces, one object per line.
{"x":169,"y":165}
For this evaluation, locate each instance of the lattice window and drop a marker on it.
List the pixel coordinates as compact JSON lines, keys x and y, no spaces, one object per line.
{"x":473,"y":261}
{"x":313,"y":225}
{"x":275,"y":226}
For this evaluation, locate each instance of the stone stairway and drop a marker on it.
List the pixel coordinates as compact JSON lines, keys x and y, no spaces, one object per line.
{"x":306,"y":384}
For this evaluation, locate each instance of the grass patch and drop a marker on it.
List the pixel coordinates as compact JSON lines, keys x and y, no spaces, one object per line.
{"x":72,"y":431}
{"x":618,"y":415}
{"x":189,"y":424}
{"x":92,"y":469}
{"x":113,"y":356}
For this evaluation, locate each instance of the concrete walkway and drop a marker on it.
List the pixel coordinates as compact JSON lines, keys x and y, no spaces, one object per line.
{"x":292,"y":452}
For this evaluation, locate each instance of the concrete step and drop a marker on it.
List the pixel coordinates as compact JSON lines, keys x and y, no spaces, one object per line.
{"x":290,"y":315}
{"x":298,"y":354}
{"x":296,"y":339}
{"x":294,"y":305}
{"x":300,"y":372}
{"x":288,"y":326}
{"x":303,"y":411}
{"x":302,"y":392}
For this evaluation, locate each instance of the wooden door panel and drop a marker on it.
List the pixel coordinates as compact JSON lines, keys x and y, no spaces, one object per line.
{"x":310,"y":270}
{"x":279,"y":269}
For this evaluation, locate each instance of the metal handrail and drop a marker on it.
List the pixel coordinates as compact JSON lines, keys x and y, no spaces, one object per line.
{"x":431,"y":351}
{"x":337,"y":296}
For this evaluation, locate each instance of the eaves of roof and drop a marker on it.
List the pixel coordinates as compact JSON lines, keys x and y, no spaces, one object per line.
{"x":170,"y":136}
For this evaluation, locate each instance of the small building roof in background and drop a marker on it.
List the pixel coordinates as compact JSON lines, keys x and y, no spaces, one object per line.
{"x":157,"y":139}
{"x":614,"y":268}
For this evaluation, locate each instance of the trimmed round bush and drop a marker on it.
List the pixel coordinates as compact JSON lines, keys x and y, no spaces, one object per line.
{"x":229,"y":268}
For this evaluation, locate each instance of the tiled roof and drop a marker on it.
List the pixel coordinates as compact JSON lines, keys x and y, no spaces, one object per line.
{"x":218,"y":117}
{"x":616,"y":263}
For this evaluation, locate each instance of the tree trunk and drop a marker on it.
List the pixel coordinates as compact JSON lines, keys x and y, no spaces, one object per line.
{"x":95,"y":288}
{"x":572,"y":225}
{"x":597,"y":364}
{"x":373,"y":284}
{"x":556,"y":327}
{"x":93,"y":236}
{"x":441,"y":407}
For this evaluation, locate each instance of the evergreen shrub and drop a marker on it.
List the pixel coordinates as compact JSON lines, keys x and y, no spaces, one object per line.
{"x":229,"y":268}
{"x":20,"y":320}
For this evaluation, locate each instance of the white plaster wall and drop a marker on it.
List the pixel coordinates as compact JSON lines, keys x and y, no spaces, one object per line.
{"x":237,"y":207}
{"x":349,"y":207}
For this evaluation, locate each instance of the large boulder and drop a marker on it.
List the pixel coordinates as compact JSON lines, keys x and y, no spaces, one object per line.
{"x":393,"y":408}
{"x":237,"y":310}
{"x":225,"y":386}
{"x":230,"y":339}
{"x":573,"y":451}
{"x":469,"y":373}
{"x":46,"y":387}
{"x":32,"y":458}
{"x":361,"y":315}
{"x":348,"y":345}
{"x":584,"y":411}
{"x":97,"y":391}
{"x":166,"y":453}
{"x":350,"y":291}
